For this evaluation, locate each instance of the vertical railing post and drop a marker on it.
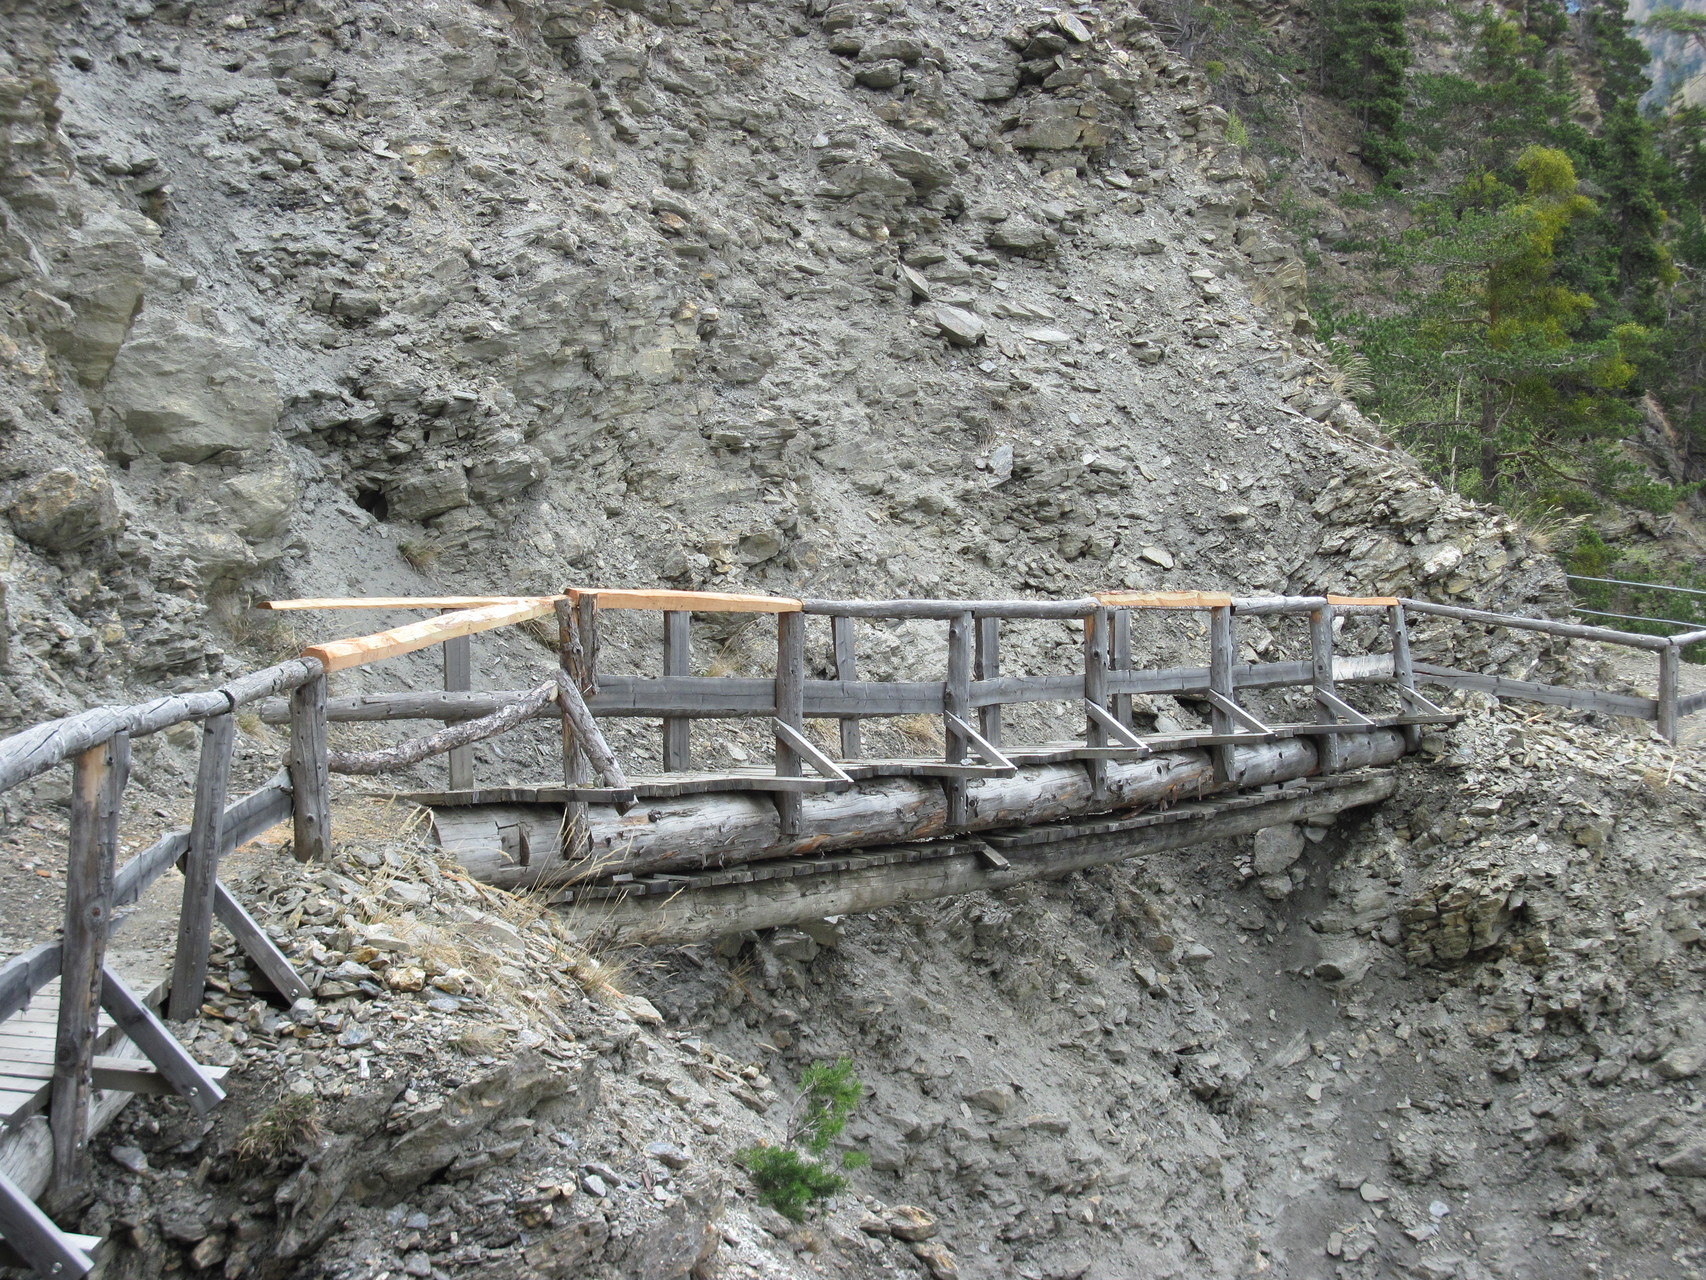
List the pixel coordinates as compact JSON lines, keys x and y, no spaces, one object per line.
{"x":459,"y":678}
{"x":1329,"y":754}
{"x":847,"y":669}
{"x":201,"y":867}
{"x":1222,"y":649}
{"x":310,"y":783}
{"x":97,"y":784}
{"x":677,"y":661}
{"x":1403,"y":667}
{"x":1670,"y":668}
{"x":956,"y":701}
{"x":1096,"y":691}
{"x":571,"y":659}
{"x":1119,"y":659}
{"x":790,"y":710}
{"x":986,"y":665}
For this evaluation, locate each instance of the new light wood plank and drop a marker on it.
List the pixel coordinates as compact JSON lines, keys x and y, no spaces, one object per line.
{"x":340,"y":655}
{"x":396,"y":602}
{"x":1164,"y":599}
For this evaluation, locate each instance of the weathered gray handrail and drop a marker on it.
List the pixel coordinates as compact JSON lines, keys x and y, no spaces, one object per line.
{"x":1572,"y":630}
{"x":39,"y":748}
{"x":947,"y":610}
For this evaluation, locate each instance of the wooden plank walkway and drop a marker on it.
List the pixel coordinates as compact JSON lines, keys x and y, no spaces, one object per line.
{"x":27,"y":1040}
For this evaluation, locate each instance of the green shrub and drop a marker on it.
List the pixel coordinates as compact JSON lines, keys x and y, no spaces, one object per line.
{"x":791,"y":1182}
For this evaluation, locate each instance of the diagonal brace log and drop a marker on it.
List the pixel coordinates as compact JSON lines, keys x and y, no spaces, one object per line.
{"x":809,"y":750}
{"x":457,"y":735}
{"x":149,"y":1034}
{"x":591,"y":740}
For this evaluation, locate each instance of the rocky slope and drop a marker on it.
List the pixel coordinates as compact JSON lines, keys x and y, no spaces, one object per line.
{"x":330,"y":298}
{"x":333,"y":297}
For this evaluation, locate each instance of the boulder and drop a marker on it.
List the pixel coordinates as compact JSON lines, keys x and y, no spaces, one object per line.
{"x":187,"y":393}
{"x":260,"y":501}
{"x":494,"y":479}
{"x":103,"y":279}
{"x":1023,"y":237}
{"x":1277,"y":848}
{"x":1052,"y":124}
{"x":961,"y":327}
{"x":66,"y":509}
{"x":421,"y":495}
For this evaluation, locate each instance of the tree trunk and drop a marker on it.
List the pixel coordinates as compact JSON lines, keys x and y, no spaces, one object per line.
{"x":1489,"y":445}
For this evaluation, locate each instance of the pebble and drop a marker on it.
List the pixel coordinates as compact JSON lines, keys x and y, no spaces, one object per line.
{"x":1373,"y":1194}
{"x":130,"y":1158}
{"x":667,"y":1153}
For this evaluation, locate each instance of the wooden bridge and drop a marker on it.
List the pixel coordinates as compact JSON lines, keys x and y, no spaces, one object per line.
{"x":825,"y":828}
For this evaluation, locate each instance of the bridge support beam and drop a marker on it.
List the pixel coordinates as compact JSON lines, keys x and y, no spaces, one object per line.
{"x":700,"y":915}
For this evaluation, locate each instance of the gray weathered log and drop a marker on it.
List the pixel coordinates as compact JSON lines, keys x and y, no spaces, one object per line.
{"x":1616,"y":704}
{"x":986,"y":666}
{"x":956,"y":707}
{"x":677,"y":661}
{"x":38,"y":1242}
{"x":704,"y":914}
{"x":945,"y":610}
{"x":1222,"y":653}
{"x":1403,"y":665}
{"x":1259,"y":606}
{"x":459,"y":678}
{"x":39,"y":748}
{"x":571,"y":661}
{"x":1321,"y":663}
{"x":309,"y":783}
{"x":1689,"y":705}
{"x":1670,"y":664}
{"x":1574,"y":630}
{"x":149,"y":1034}
{"x":586,"y":729}
{"x":97,"y":789}
{"x":694,"y":832}
{"x":403,"y":754}
{"x":790,"y":709}
{"x":846,"y":671}
{"x":201,"y":867}
{"x":257,"y":946}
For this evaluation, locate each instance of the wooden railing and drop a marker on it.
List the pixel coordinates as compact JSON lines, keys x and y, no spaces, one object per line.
{"x":969,"y":699}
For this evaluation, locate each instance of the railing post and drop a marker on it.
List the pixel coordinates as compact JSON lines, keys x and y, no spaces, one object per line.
{"x":846,"y":669}
{"x":201,"y":867}
{"x":1329,"y":754}
{"x":459,"y":678}
{"x":956,"y":701}
{"x":571,"y":659}
{"x":1120,"y":659}
{"x":97,"y":784}
{"x":790,"y":710}
{"x":1221,"y":651}
{"x":310,"y":781}
{"x":1096,"y":691}
{"x":1403,"y":667}
{"x":677,"y":661}
{"x":1670,"y":664}
{"x":986,"y":665}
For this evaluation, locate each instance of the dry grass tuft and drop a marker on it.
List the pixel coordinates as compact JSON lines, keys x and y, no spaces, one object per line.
{"x":284,"y":1129}
{"x":921,"y":731}
{"x":480,"y":1041}
{"x":422,"y":553}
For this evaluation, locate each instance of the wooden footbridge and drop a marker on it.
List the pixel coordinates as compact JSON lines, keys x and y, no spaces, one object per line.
{"x":825,"y":828}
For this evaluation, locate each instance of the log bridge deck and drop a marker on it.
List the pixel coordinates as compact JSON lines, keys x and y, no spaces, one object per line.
{"x":687,"y":854}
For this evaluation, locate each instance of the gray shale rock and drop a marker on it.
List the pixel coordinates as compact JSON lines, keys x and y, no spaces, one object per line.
{"x":186,"y":393}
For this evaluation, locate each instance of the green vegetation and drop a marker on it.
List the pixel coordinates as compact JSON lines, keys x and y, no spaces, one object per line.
{"x":1365,"y":52}
{"x":1552,"y":271}
{"x":791,"y":1181}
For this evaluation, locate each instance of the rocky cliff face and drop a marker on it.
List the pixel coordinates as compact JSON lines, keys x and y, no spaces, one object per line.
{"x":342,"y":298}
